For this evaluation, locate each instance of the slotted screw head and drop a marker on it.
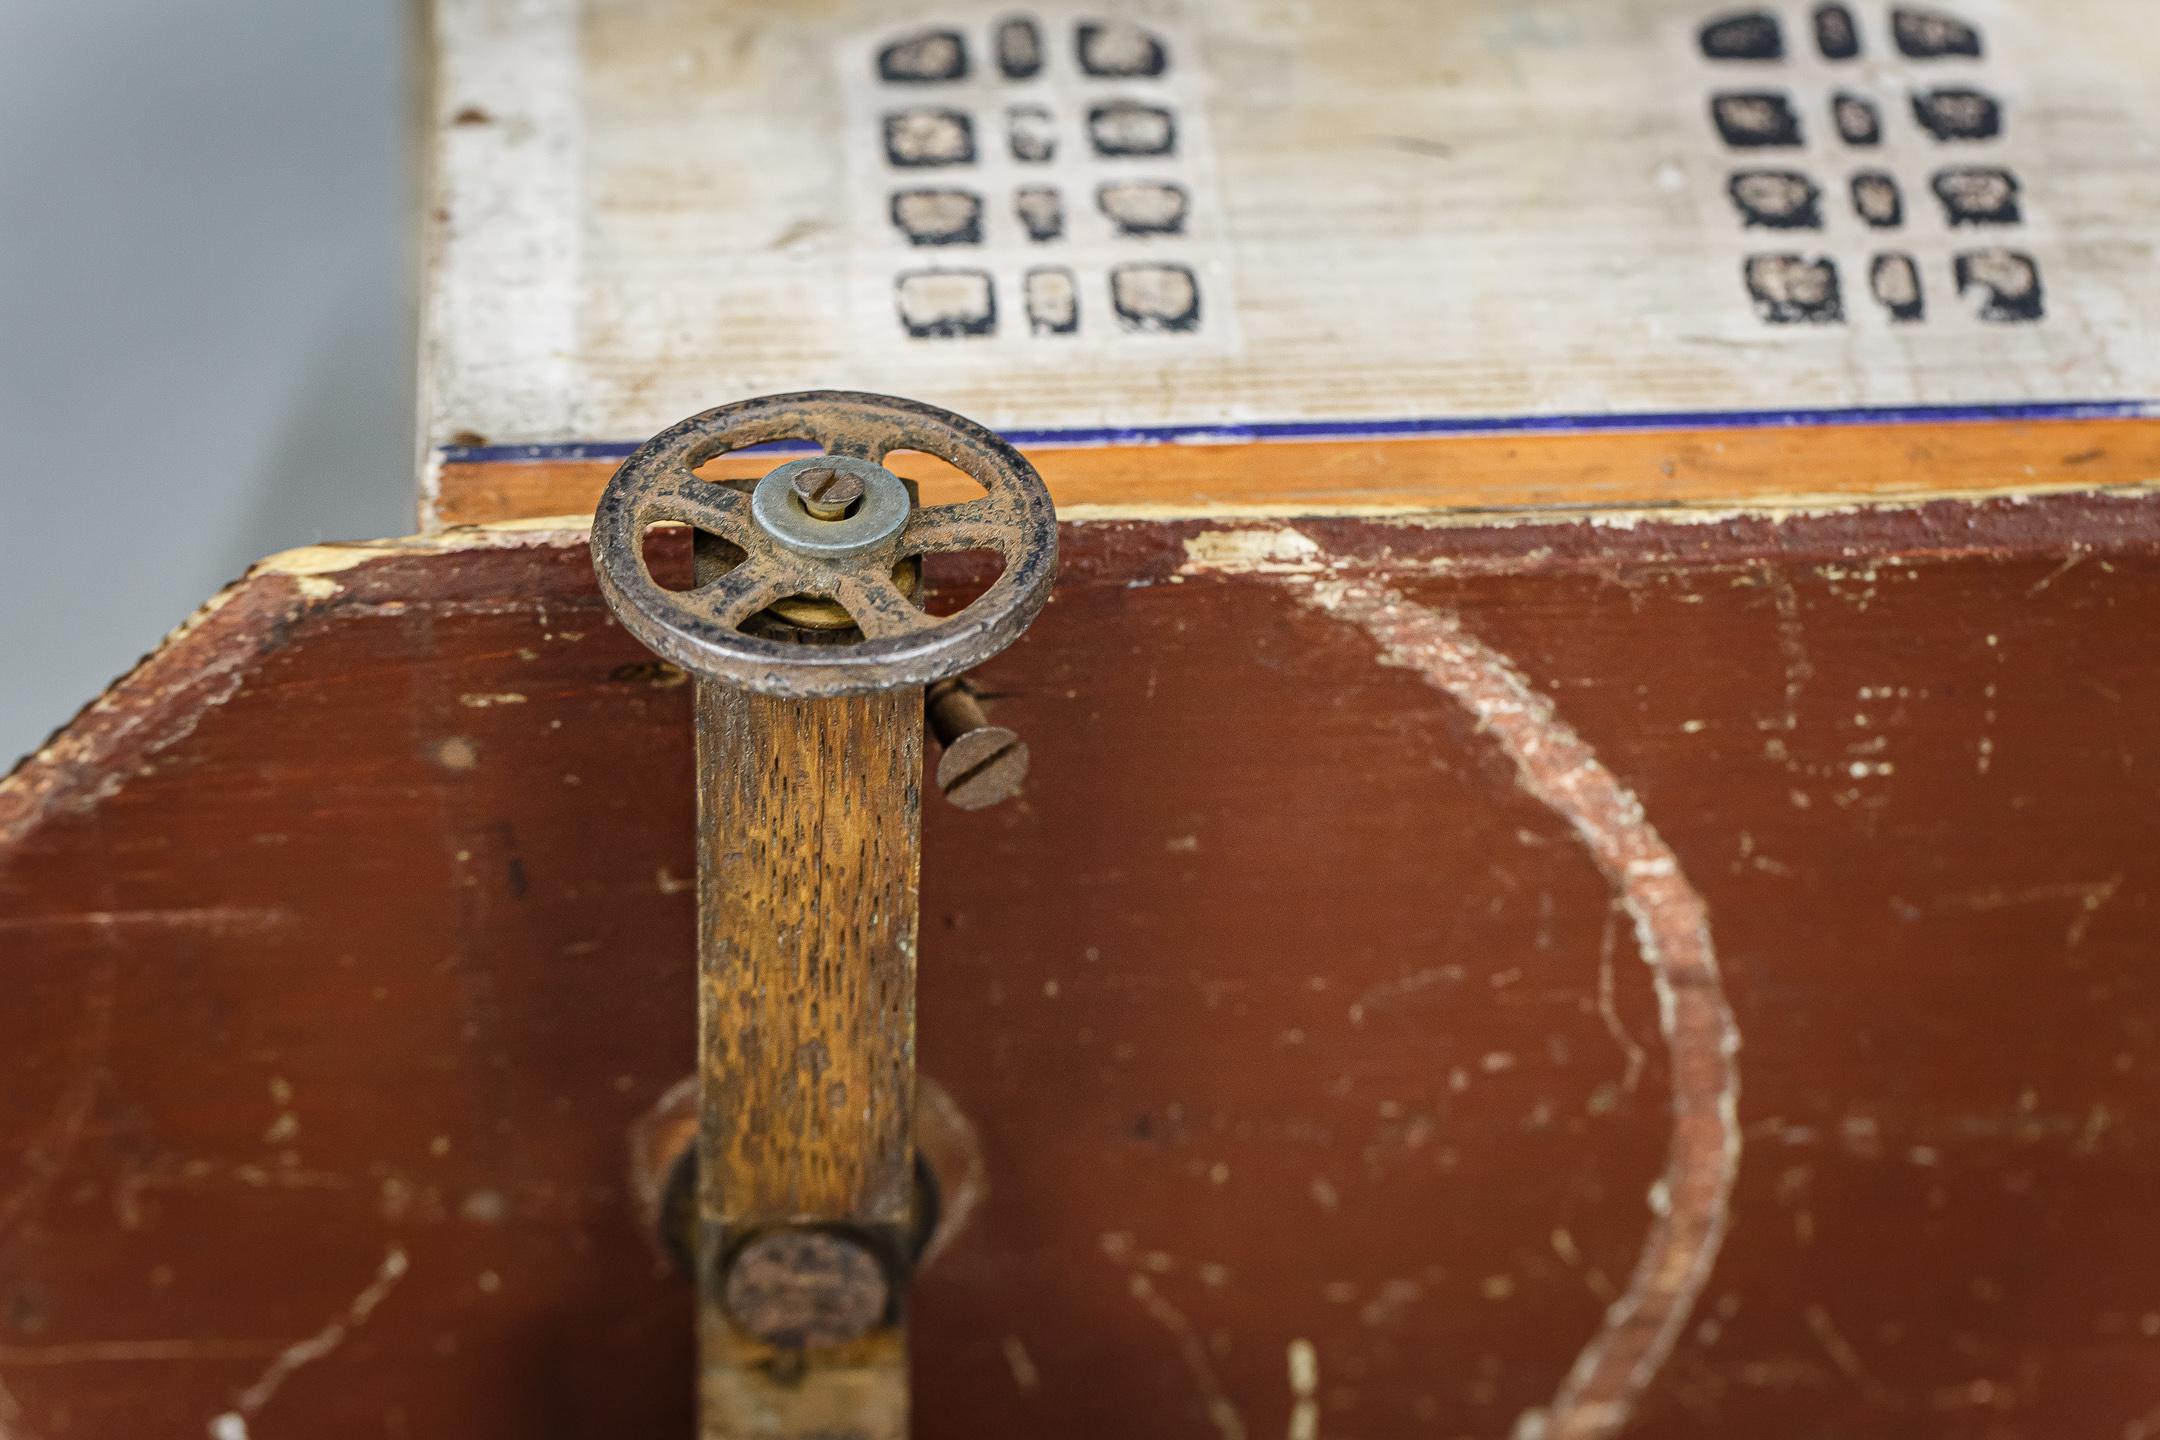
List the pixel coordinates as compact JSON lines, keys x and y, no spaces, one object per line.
{"x":982,"y":763}
{"x":982,"y":767}
{"x":827,"y":491}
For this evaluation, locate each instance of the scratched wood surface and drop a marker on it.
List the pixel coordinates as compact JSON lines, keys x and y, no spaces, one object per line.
{"x":1693,"y":975}
{"x":809,"y":862}
{"x":1384,"y":212}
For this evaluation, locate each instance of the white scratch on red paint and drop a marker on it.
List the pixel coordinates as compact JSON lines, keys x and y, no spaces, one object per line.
{"x":13,"y":1426}
{"x":1214,"y":1400}
{"x":233,"y":1424}
{"x":1691,"y":1202}
{"x":131,"y":1352}
{"x":1609,"y":1011}
{"x":47,"y":1155}
{"x":211,"y":919}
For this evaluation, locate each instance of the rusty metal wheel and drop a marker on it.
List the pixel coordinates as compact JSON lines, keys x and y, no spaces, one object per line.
{"x":833,"y":527}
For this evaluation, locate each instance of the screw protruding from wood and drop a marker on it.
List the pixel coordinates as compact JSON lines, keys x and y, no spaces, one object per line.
{"x":982,"y":763}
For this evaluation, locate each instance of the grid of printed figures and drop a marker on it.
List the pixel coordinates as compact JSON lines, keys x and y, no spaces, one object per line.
{"x":1957,"y":118}
{"x":937,"y":204}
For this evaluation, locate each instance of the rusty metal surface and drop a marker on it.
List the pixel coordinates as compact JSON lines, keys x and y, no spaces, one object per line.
{"x":982,"y":763}
{"x":704,"y":629}
{"x":826,"y":491}
{"x":806,"y":1289}
{"x":810,"y":748}
{"x":809,"y":762}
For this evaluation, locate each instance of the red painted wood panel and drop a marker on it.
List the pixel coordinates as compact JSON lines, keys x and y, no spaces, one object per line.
{"x":1297,"y":1006}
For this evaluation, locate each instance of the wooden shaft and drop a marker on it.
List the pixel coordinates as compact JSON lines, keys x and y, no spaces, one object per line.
{"x":809,"y":856}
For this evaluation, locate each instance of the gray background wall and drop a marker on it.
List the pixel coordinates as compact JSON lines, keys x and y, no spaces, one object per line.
{"x":205,"y":314}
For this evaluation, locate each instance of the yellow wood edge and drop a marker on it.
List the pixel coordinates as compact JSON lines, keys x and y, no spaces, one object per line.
{"x":1485,"y":474}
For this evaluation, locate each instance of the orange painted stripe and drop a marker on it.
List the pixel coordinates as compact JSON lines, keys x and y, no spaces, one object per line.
{"x":1611,"y":469}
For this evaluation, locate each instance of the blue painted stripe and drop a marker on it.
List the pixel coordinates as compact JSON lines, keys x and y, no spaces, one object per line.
{"x":1312,"y":430}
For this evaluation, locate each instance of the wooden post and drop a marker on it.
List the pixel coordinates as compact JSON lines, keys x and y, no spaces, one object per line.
{"x":809,"y":855}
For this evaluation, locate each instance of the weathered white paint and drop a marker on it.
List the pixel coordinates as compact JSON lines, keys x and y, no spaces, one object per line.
{"x":1304,"y":1366}
{"x":1479,"y":209}
{"x":505,"y":272}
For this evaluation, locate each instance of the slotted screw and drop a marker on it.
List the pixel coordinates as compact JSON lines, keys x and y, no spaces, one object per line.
{"x":827,"y":493}
{"x":982,"y":763}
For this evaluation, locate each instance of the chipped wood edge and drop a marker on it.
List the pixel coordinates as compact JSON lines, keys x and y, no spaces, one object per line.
{"x":202,"y":662}
{"x":1796,"y":506}
{"x":163,"y":696}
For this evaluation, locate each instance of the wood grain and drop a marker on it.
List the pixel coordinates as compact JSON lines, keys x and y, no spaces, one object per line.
{"x":1478,"y":472}
{"x":811,"y":854}
{"x":809,"y":859}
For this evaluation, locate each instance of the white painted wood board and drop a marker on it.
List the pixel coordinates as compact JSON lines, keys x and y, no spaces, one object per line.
{"x":1508,"y":210}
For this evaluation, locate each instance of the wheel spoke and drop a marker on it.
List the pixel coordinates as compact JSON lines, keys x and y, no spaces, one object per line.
{"x":836,"y":439}
{"x":950,"y":529}
{"x":703,"y":505}
{"x":738,"y":595}
{"x":878,"y":608}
